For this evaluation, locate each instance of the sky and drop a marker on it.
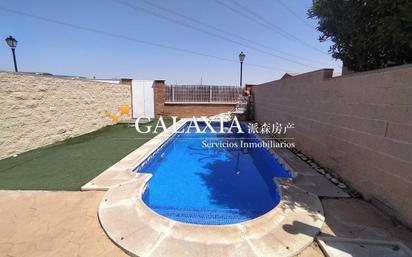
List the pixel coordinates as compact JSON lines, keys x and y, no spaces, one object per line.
{"x":183,"y":42}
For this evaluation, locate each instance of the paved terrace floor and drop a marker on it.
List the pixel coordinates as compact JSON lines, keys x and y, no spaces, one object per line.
{"x":41,"y":223}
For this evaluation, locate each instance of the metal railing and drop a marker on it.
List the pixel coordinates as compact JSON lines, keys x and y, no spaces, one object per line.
{"x":202,"y":94}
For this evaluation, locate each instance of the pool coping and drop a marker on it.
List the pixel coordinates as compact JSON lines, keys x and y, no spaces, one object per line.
{"x":285,"y":230}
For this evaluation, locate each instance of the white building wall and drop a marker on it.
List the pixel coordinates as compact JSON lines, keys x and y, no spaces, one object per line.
{"x":143,"y":98}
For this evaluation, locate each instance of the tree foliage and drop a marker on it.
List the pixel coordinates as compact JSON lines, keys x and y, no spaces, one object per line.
{"x":366,"y":34}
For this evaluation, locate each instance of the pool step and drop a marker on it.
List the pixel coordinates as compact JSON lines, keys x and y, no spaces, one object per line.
{"x":205,"y":216}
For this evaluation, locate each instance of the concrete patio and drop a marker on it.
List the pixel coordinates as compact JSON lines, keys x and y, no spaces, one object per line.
{"x":40,"y":223}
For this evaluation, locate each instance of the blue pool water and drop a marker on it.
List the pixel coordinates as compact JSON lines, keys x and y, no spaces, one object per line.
{"x":218,"y":185}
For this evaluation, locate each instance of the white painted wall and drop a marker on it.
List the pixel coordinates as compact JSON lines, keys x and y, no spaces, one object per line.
{"x":143,"y":98}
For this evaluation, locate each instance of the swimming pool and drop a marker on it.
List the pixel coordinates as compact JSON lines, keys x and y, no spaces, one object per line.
{"x":211,"y":178}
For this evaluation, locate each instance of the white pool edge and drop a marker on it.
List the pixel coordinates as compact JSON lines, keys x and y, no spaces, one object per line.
{"x":284,"y":231}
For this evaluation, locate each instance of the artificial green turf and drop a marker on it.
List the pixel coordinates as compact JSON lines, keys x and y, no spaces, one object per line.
{"x":69,"y":164}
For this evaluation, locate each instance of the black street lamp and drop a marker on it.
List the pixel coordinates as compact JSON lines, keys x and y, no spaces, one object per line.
{"x":241,"y":59}
{"x":12,"y":42}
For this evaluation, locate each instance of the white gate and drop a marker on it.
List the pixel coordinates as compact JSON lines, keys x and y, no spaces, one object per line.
{"x":143,"y":98}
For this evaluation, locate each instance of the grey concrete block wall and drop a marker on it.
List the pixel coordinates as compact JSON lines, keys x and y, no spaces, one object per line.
{"x":39,"y":110}
{"x":359,"y":125}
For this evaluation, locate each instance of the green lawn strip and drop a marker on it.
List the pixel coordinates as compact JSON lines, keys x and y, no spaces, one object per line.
{"x":69,"y":164}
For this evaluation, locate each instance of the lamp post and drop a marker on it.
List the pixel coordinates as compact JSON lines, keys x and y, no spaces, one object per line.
{"x":12,"y":42}
{"x":241,"y":59}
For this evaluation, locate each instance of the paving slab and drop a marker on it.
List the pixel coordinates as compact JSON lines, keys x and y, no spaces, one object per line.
{"x":312,"y":250}
{"x":306,"y":177}
{"x":356,"y":218}
{"x":348,"y":247}
{"x":50,"y":224}
{"x":319,"y":185}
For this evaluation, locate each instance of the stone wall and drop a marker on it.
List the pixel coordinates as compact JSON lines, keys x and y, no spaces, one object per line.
{"x":185,"y":110}
{"x":359,"y":125}
{"x":39,"y":110}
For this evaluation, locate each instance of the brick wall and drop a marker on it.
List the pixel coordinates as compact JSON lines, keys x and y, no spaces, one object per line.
{"x":359,"y":125}
{"x":39,"y":110}
{"x":184,"y":110}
